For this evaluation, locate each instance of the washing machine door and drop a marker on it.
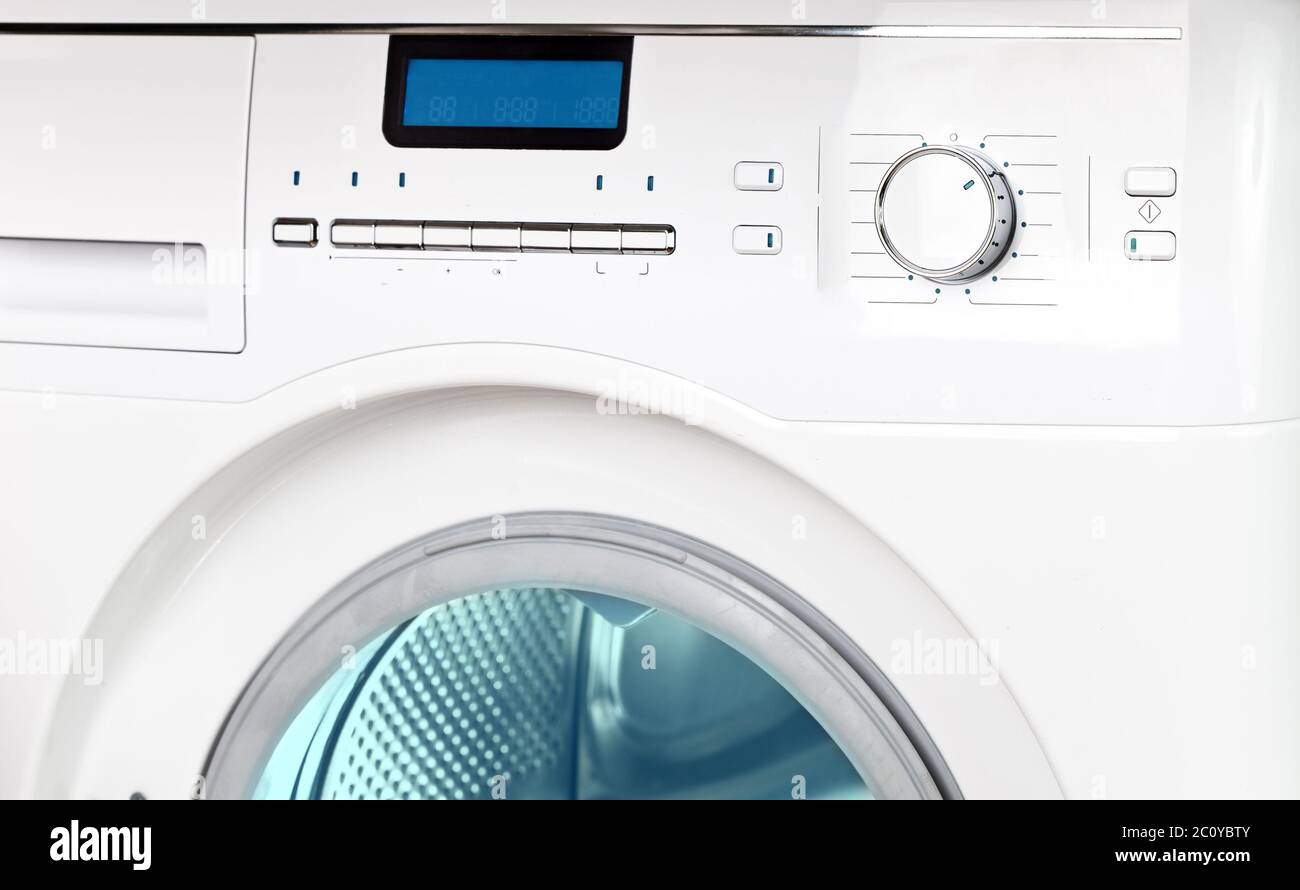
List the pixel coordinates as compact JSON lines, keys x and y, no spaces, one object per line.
{"x":569,"y":656}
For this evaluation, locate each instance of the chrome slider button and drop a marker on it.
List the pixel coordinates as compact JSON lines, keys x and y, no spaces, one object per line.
{"x":648,"y":239}
{"x":494,"y":236}
{"x":352,"y":233}
{"x":596,"y":239}
{"x":398,"y":234}
{"x":446,"y":236}
{"x":296,"y":232}
{"x":544,"y":237}
{"x":498,"y":237}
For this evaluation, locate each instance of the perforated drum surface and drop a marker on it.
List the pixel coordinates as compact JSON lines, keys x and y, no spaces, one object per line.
{"x":537,"y":692}
{"x":471,"y":696}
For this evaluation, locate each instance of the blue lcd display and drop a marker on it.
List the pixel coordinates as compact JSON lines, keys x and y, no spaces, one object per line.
{"x":540,"y":93}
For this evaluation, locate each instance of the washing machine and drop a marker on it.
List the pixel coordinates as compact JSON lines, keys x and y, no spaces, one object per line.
{"x":649,"y":400}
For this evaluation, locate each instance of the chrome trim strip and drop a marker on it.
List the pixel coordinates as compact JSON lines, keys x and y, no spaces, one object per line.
{"x":986,"y":32}
{"x":1027,"y":32}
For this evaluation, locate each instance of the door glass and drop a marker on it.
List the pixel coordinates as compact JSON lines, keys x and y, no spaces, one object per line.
{"x":545,"y":693}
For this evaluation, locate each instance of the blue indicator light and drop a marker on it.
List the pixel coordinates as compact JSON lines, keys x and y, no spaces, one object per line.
{"x":354,"y":178}
{"x":771,"y":240}
{"x":771,"y":174}
{"x":401,"y":180}
{"x":649,"y":183}
{"x":600,"y":182}
{"x":295,"y":177}
{"x":968,"y":185}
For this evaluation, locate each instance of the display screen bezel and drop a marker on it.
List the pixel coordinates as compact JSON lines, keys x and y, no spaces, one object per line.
{"x":402,"y":49}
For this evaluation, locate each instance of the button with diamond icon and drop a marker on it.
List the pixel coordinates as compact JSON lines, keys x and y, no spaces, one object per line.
{"x":1149,"y":211}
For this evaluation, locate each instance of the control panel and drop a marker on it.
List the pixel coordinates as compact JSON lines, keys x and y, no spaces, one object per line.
{"x":954,"y":225}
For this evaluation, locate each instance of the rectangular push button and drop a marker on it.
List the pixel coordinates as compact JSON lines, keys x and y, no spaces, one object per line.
{"x":648,"y":239}
{"x":1150,"y":182}
{"x":445,"y":236}
{"x":398,"y":234}
{"x":294,"y":232}
{"x":1158,"y":246}
{"x":756,"y":239}
{"x":544,"y":237}
{"x":759,"y":176}
{"x":494,"y":236}
{"x":596,"y":239}
{"x":352,"y":233}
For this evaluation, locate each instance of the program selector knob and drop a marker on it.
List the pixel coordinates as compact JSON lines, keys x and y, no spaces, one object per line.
{"x":945,"y":213}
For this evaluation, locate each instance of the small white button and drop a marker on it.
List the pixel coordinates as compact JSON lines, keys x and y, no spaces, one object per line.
{"x":648,"y":239}
{"x":494,"y":236}
{"x":545,"y":237}
{"x":759,"y":176}
{"x":1159,"y":246}
{"x":756,"y":239}
{"x":445,"y":236}
{"x":352,"y":233}
{"x":1150,"y":182}
{"x":397,"y":234}
{"x":294,"y":232}
{"x":596,"y":239}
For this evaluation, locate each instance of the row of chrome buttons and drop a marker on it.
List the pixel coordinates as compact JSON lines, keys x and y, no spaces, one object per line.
{"x":503,"y":237}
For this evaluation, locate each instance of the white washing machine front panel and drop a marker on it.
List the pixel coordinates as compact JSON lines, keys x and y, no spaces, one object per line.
{"x":968,"y":331}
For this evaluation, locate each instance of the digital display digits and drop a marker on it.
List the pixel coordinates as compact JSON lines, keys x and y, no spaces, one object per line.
{"x":523,"y":93}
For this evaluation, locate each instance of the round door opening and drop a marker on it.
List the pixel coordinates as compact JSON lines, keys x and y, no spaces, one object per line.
{"x":579,"y":656}
{"x":541,"y":692}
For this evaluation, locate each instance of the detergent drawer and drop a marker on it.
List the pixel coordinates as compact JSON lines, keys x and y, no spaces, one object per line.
{"x":121,"y":212}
